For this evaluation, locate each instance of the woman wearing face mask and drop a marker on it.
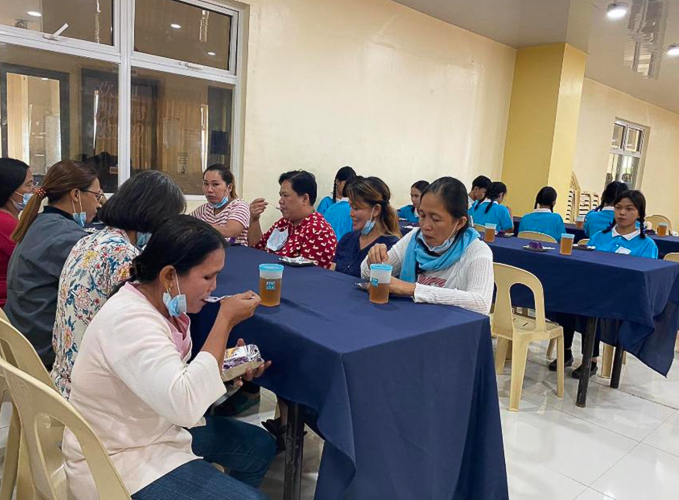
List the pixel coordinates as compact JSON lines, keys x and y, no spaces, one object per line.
{"x":98,"y":262}
{"x":224,"y":210}
{"x":443,"y":262}
{"x":44,"y":241}
{"x":375,"y":223}
{"x":134,"y":385}
{"x":301,"y":232}
{"x":16,"y":188}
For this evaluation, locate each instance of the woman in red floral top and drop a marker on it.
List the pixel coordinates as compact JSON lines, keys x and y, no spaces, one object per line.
{"x":301,"y":231}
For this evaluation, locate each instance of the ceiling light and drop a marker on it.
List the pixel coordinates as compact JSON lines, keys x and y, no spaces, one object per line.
{"x":176,"y":26}
{"x":673,"y":50}
{"x":616,"y":10}
{"x":212,"y":53}
{"x":34,"y":13}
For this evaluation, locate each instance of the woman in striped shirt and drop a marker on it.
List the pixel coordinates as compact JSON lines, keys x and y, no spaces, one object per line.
{"x":224,"y":211}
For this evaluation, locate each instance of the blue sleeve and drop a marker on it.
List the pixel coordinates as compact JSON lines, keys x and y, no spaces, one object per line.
{"x":586,"y":227}
{"x":594,"y":240}
{"x":506,"y":223}
{"x":651,"y":249}
{"x":560,"y":227}
{"x":402,"y":212}
{"x":324,"y":205}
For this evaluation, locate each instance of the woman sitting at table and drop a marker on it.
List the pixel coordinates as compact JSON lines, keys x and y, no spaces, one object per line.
{"x":602,"y":217}
{"x":491,"y":211}
{"x":444,"y":261}
{"x":16,"y":188}
{"x":375,"y":222}
{"x":301,"y":232}
{"x":337,"y":214}
{"x":625,"y":235}
{"x":98,"y":262}
{"x":543,"y":219}
{"x":622,"y":237}
{"x":44,"y":241}
{"x":341,"y":178}
{"x":409,"y":212}
{"x":224,"y":211}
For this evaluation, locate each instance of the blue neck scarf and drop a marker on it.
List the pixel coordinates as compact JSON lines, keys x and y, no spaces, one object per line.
{"x":417,"y":254}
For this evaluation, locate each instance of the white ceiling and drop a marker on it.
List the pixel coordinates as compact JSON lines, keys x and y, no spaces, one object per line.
{"x":583,"y":24}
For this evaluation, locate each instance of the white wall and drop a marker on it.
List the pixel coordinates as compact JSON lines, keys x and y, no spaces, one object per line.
{"x":371,"y":84}
{"x":601,"y":105}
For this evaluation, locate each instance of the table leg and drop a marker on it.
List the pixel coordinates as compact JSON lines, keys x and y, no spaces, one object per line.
{"x":587,"y":351}
{"x":294,"y":452}
{"x":617,"y":366}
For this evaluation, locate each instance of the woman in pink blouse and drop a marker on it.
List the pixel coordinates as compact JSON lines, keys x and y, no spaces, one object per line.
{"x":224,"y":210}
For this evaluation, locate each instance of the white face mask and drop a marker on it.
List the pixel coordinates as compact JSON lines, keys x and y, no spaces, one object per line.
{"x":443,"y":247}
{"x":277,"y":240}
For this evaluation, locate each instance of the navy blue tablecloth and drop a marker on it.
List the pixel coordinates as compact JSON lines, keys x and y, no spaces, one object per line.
{"x":570,"y":228}
{"x":666,"y":244}
{"x":406,"y":393}
{"x":641,"y":294}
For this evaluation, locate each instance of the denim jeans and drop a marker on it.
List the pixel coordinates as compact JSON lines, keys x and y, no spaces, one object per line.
{"x":245,"y":450}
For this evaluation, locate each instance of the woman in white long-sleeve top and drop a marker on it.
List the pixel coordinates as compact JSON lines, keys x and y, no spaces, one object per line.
{"x":134,"y":385}
{"x":443,"y":262}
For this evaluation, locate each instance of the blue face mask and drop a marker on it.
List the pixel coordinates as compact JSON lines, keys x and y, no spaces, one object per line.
{"x":176,"y":305}
{"x":443,"y":247}
{"x":143,"y":239}
{"x":24,"y":201}
{"x":79,"y":217}
{"x":370,"y":225}
{"x":219,"y":205}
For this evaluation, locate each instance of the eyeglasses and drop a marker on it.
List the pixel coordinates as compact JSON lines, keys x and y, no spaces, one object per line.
{"x":98,"y":195}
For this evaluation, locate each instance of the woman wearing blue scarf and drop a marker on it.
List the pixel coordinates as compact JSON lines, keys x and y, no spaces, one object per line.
{"x":443,"y":262}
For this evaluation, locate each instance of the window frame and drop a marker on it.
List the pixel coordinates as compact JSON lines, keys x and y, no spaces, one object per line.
{"x":122,"y":53}
{"x":622,"y":151}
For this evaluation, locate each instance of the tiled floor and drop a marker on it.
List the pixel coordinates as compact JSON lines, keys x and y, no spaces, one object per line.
{"x":623,"y":446}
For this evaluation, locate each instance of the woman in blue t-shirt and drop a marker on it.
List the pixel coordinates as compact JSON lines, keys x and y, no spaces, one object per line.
{"x":543,"y":219}
{"x":374,"y":221}
{"x":602,"y":216}
{"x":409,"y":212}
{"x":491,"y":211}
{"x":341,"y":178}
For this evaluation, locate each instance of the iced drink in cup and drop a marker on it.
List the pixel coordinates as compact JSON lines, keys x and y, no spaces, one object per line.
{"x":567,"y":244}
{"x":270,"y":280}
{"x":380,"y":280}
{"x":489,"y":234}
{"x":580,"y":221}
{"x":662,"y":229}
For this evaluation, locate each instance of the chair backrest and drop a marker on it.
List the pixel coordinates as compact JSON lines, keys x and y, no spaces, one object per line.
{"x":583,"y":242}
{"x":505,"y":278}
{"x":534,"y":235}
{"x":3,"y":315}
{"x":18,"y":351}
{"x":659,"y":219}
{"x":672,"y":256}
{"x":35,"y":401}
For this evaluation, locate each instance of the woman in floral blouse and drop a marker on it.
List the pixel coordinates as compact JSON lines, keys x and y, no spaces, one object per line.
{"x":98,"y":262}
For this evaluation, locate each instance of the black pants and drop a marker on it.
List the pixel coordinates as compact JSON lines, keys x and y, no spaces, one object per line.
{"x":569,"y":322}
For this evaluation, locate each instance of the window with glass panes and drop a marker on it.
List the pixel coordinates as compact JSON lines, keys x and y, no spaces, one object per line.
{"x":126,"y":85}
{"x":625,"y":156}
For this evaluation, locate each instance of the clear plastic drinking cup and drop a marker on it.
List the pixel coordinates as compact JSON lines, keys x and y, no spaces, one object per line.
{"x":567,"y":240}
{"x":270,"y":282}
{"x":663,"y":229}
{"x":580,"y":221}
{"x":380,"y":280}
{"x":489,"y":234}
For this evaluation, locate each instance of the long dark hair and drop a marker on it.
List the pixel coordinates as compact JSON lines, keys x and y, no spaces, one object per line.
{"x":546,"y":196}
{"x":62,"y":178}
{"x":226,"y":175}
{"x":420,"y":186}
{"x":343,"y":174}
{"x":373,"y":191}
{"x":611,"y":193}
{"x":12,"y":176}
{"x":182,"y":242}
{"x":453,"y":194}
{"x":494,"y":191}
{"x":639,"y":201}
{"x":143,"y":203}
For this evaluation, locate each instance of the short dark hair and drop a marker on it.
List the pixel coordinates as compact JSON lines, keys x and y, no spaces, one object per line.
{"x":12,"y":176}
{"x":182,"y":242}
{"x":302,"y":183}
{"x":225,"y":173}
{"x":143,"y":203}
{"x":343,"y":174}
{"x":612,"y":191}
{"x":420,"y":186}
{"x":453,"y":194}
{"x":481,"y":182}
{"x":546,"y":196}
{"x":493,"y":193}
